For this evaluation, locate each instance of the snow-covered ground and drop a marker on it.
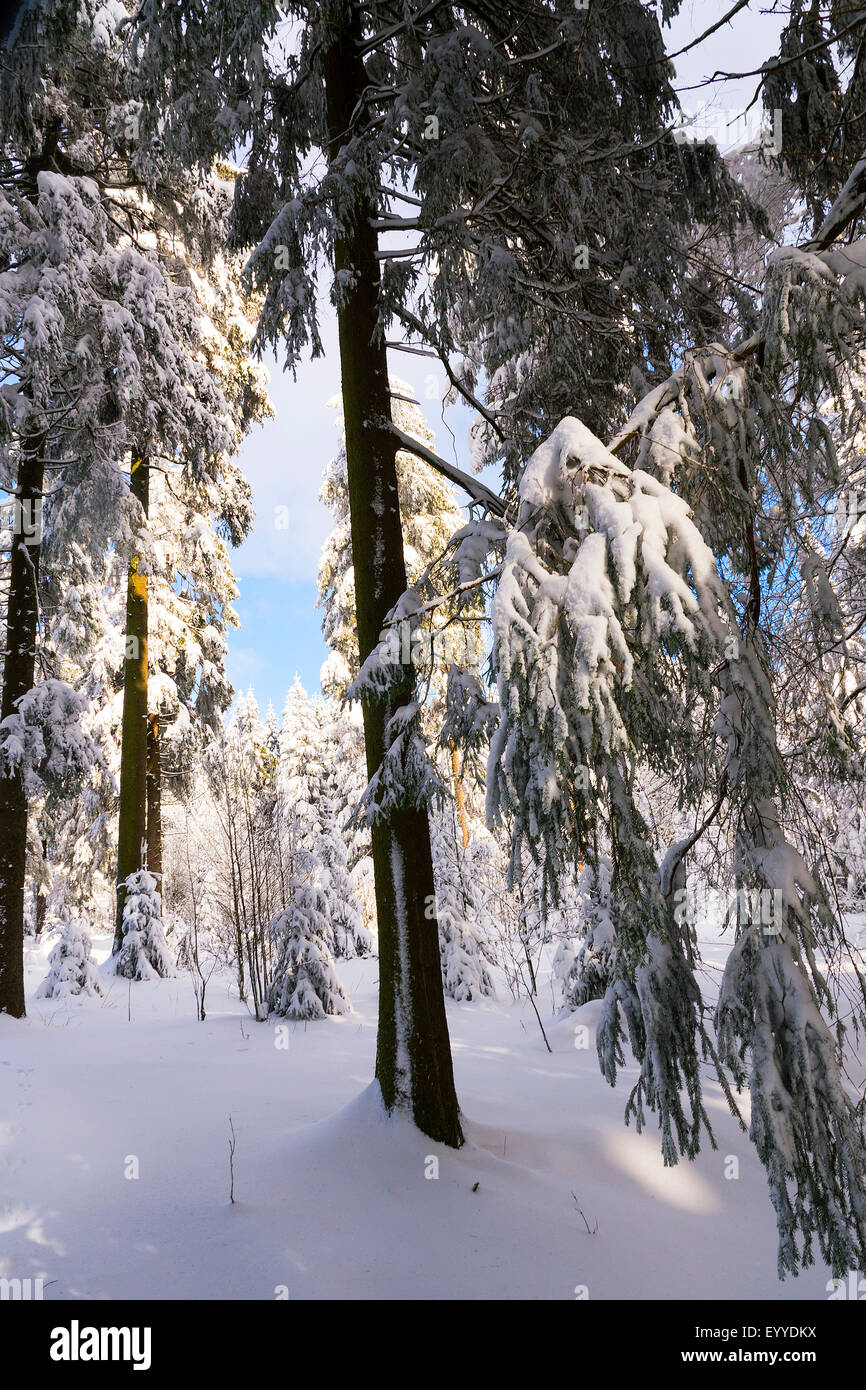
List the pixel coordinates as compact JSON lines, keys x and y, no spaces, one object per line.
{"x":552,"y":1197}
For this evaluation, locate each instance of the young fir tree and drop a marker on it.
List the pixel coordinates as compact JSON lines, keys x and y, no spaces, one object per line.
{"x":71,"y":971}
{"x":312,"y":813}
{"x":344,"y":844}
{"x":463,"y":913}
{"x":300,"y":767}
{"x":305,"y":983}
{"x":144,"y":954}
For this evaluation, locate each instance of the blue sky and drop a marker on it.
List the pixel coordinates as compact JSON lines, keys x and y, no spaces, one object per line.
{"x":280,"y":632}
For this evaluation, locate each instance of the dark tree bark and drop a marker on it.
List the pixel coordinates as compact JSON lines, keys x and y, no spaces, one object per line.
{"x":132,"y":820}
{"x":154,"y":798}
{"x":413,"y":1056}
{"x":18,"y":674}
{"x":42,"y":894}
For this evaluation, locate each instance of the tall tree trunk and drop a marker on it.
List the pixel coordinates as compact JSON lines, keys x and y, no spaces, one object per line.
{"x":132,"y":821}
{"x":154,"y":799}
{"x":413,"y":1054}
{"x":18,"y":673}
{"x":459,"y":795}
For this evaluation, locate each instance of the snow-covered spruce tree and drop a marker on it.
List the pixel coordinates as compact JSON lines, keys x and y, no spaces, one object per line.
{"x":305,"y":983}
{"x":798,"y":529}
{"x":191,"y":338}
{"x":814,"y":625}
{"x":184,"y":566}
{"x":100,"y":339}
{"x":562,"y":212}
{"x":47,"y":742}
{"x":192,"y":590}
{"x":194,"y":520}
{"x":299,"y":777}
{"x":144,"y":954}
{"x":590,"y":969}
{"x":717,"y":419}
{"x":71,"y":971}
{"x":349,"y":935}
{"x":463,"y":913}
{"x":815,"y":622}
{"x":36,"y":310}
{"x":300,"y":767}
{"x":828,"y":738}
{"x":816,"y":83}
{"x":344,"y":844}
{"x":609,"y":614}
{"x":313,"y":814}
{"x":506,"y":150}
{"x":803,"y":1122}
{"x":756,"y":414}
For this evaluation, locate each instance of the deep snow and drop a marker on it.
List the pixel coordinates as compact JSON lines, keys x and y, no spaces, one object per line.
{"x":551,"y":1192}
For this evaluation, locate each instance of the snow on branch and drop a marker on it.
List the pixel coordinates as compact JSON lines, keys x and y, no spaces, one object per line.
{"x":476,"y":490}
{"x":611,"y":624}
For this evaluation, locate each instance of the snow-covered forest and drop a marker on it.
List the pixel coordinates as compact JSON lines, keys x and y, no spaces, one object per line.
{"x":526,"y":956}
